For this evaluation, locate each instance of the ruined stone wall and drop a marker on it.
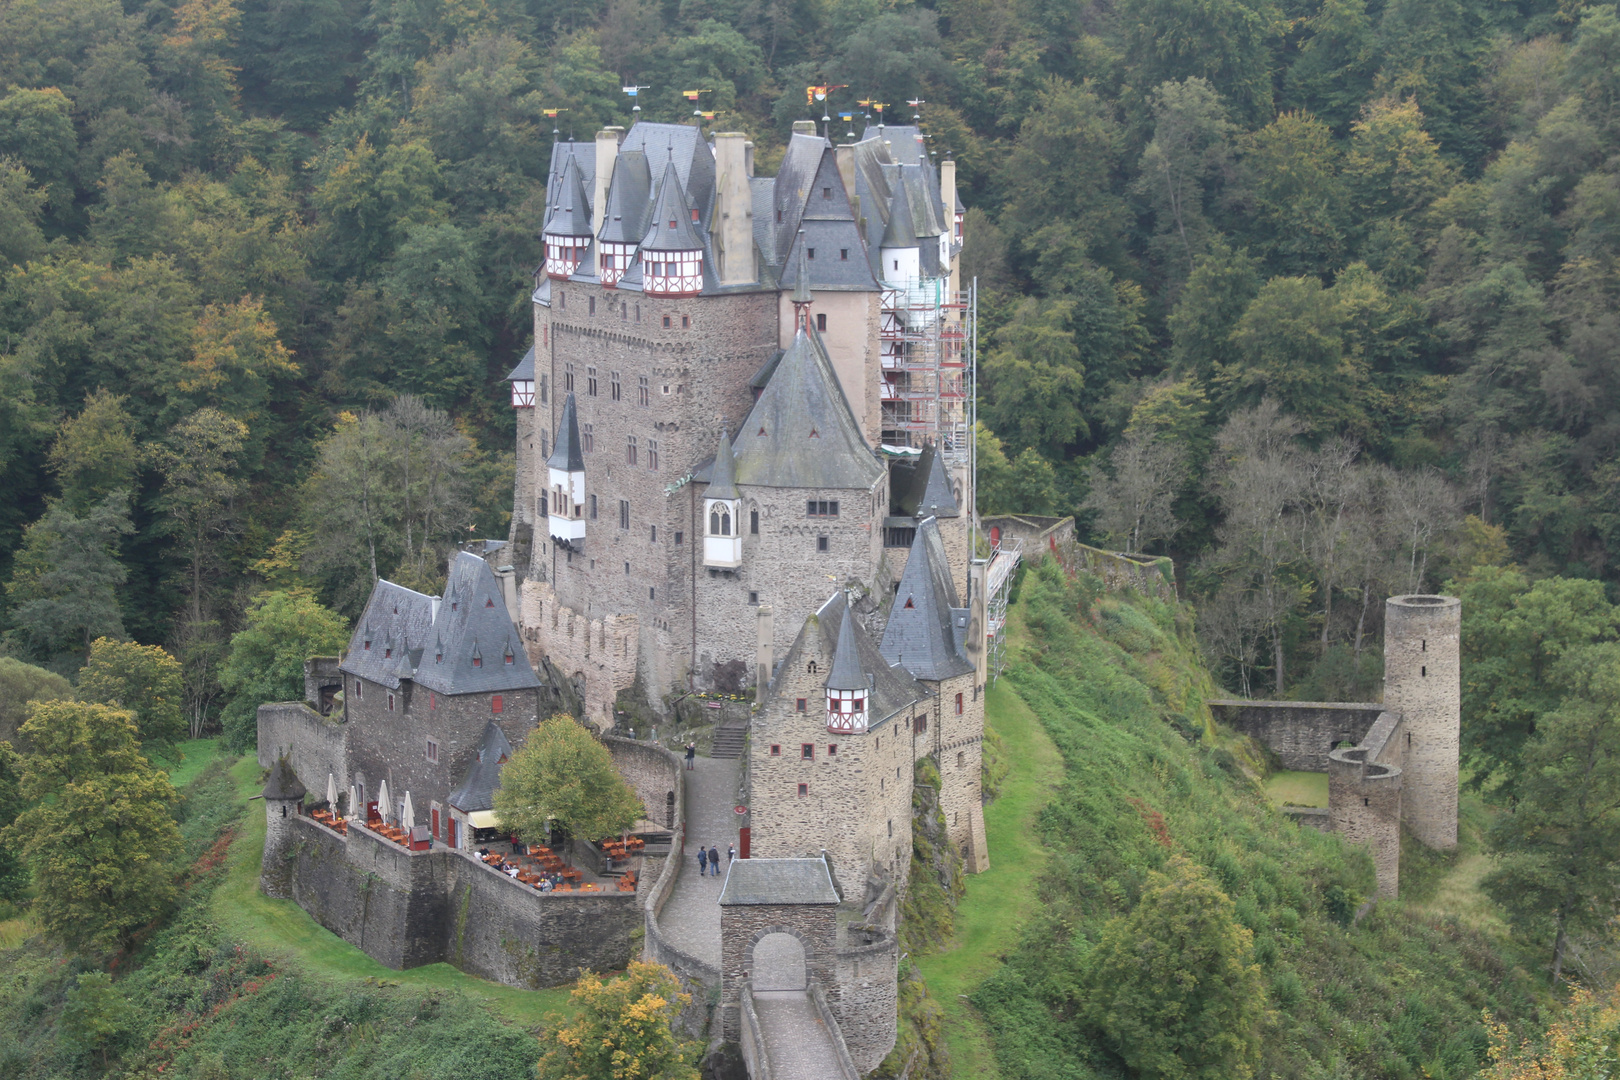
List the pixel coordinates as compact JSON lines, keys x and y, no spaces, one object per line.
{"x":1300,"y":733}
{"x":959,"y":753}
{"x":312,"y":744}
{"x":1365,"y":794}
{"x":1147,"y":575}
{"x":1422,"y":681}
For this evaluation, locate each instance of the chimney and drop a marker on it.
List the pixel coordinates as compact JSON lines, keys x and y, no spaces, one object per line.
{"x":804,"y":127}
{"x":733,"y":225}
{"x":436,"y":602}
{"x":845,"y":155}
{"x":508,"y":578}
{"x":765,"y":652}
{"x":607,"y":151}
{"x":947,"y":193}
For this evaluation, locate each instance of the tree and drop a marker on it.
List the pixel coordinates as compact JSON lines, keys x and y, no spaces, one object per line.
{"x":280,"y":631}
{"x":1292,"y":189}
{"x":198,"y":467}
{"x":20,"y":684}
{"x":1222,"y":284}
{"x":236,"y":358}
{"x":1514,"y":634}
{"x":143,"y":679}
{"x":564,"y":774}
{"x":13,"y":871}
{"x":95,"y":453}
{"x":1394,"y":168}
{"x":623,"y":1029}
{"x":64,"y":581}
{"x":1189,"y":149}
{"x":1558,"y":853}
{"x":1227,"y":42}
{"x":1058,"y":175}
{"x":1133,"y":501}
{"x":1035,"y":378}
{"x":97,"y":1016}
{"x":36,"y":131}
{"x":21,"y":206}
{"x":99,"y":835}
{"x":1583,"y":1043}
{"x":1173,"y":987}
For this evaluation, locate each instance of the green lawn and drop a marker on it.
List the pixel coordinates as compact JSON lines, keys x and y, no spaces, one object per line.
{"x":1000,"y":900}
{"x":192,"y":758}
{"x":1298,"y":788}
{"x":282,"y":928}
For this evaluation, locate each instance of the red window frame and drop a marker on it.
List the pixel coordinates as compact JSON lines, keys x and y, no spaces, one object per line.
{"x":497,"y":704}
{"x":807,"y":751}
{"x":958,"y":704}
{"x":832,"y":749}
{"x":776,"y":749}
{"x":804,"y":789}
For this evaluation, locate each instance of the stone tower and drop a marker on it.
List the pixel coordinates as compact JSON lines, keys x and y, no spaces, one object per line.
{"x":1423,"y":682}
{"x":283,"y":792}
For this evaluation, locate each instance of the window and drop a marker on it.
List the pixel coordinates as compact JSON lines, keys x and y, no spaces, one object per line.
{"x":592,"y":305}
{"x":822,"y":507}
{"x":358,"y":694}
{"x":804,"y":789}
{"x":823,"y":543}
{"x":433,"y":750}
{"x":821,"y":321}
{"x":644,"y":390}
{"x":686,"y":322}
{"x":807,"y":751}
{"x":655,"y":534}
{"x":802,"y":705}
{"x":776,"y":750}
{"x":652,"y":455}
{"x":626,"y":569}
{"x":832,"y":749}
{"x":590,"y":381}
{"x":568,"y":378}
{"x":826,"y":193}
{"x":544,"y":379}
{"x":720,"y":520}
{"x":368,"y":645}
{"x":678,"y":537}
{"x":544,"y":506}
{"x":961,"y":759}
{"x":897,"y":264}
{"x":613,"y":385}
{"x":390,"y":702}
{"x":753,"y":598}
{"x":562,"y":300}
{"x":921,"y":724}
{"x":496,"y":704}
{"x":843,"y":254}
{"x":593,"y":507}
{"x":509,"y":657}
{"x":666,"y":322}
{"x":891,"y":826}
{"x":624,"y":513}
{"x":958,"y":704}
{"x":809,"y":253}
{"x":779,"y":217}
{"x":630,"y":454}
{"x":753,"y":522}
{"x":587,"y":434}
{"x":478,"y":661}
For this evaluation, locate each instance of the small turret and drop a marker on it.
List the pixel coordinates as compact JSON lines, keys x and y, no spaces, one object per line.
{"x":566,"y":480}
{"x":671,"y":252}
{"x":283,"y":794}
{"x":568,"y":226}
{"x":722,"y":510}
{"x":901,"y":261}
{"x":847,"y":684}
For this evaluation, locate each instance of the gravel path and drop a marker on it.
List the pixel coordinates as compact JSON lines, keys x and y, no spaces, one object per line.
{"x":796,"y":1042}
{"x":691,"y":918}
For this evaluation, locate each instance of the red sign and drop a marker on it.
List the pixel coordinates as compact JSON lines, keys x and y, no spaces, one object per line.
{"x":713,"y":705}
{"x":740,"y":809}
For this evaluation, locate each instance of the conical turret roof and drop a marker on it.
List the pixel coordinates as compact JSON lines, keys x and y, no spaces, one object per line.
{"x":283,"y":783}
{"x":566,"y":455}
{"x":921,"y":633}
{"x":572,"y":215}
{"x":901,"y":231}
{"x":671,"y":226}
{"x":723,"y":475}
{"x":801,"y":288}
{"x":846,"y":673}
{"x":625,"y":221}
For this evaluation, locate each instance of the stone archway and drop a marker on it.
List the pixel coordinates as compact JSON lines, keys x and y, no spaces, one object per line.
{"x":778,"y":962}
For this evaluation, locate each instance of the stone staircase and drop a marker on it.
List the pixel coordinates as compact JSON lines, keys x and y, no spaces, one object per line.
{"x":729,"y":739}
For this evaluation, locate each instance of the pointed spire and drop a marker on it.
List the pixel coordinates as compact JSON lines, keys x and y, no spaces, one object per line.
{"x":723,"y":478}
{"x":572,"y":214}
{"x":566,"y":455}
{"x":901,"y":231}
{"x":801,"y":289}
{"x":846,"y":673}
{"x":671,"y":227}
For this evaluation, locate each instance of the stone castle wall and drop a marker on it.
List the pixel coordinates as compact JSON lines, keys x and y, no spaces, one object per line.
{"x":599,"y":656}
{"x":1422,"y":681}
{"x":1300,"y":733}
{"x":311,"y":743}
{"x":1364,"y":797}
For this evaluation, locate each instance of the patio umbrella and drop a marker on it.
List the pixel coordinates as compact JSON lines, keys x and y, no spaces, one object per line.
{"x":331,"y":793}
{"x":410,"y":814}
{"x":382,"y":801}
{"x":354,"y":801}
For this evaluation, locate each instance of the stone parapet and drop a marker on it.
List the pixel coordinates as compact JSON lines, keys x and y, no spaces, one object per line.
{"x":1300,"y":733}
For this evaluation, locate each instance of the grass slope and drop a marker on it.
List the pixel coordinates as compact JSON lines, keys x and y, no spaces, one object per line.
{"x":1117,"y":684}
{"x":1000,"y":901}
{"x":1297,"y":788}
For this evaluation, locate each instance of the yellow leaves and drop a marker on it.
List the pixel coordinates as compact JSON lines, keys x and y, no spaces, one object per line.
{"x":622,"y":1031}
{"x":232,"y":342}
{"x":206,"y":27}
{"x":1583,"y":1044}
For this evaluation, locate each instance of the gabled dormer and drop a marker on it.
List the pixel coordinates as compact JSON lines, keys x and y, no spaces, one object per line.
{"x":565,"y":479}
{"x":624,"y":221}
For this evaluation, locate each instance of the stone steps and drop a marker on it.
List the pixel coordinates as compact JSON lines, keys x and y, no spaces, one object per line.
{"x":729,"y":741}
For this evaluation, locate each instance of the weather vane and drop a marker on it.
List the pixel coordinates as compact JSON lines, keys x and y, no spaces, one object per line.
{"x":634,"y":94}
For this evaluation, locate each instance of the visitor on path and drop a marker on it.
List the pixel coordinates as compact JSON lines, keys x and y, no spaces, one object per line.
{"x":731,"y":855}
{"x":691,"y":753}
{"x":703,"y":860}
{"x":714,"y":860}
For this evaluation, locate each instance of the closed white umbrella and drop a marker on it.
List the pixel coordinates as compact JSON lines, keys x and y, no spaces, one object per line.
{"x":331,"y":793}
{"x":354,"y":801}
{"x":382,"y":801}
{"x":410,"y":814}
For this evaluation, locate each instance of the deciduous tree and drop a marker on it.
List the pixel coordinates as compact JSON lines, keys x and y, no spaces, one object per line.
{"x":64,"y":581}
{"x":281,"y":630}
{"x":623,"y":1029}
{"x":563,"y":774}
{"x":142,"y":679}
{"x":95,"y":453}
{"x":1134,"y":499}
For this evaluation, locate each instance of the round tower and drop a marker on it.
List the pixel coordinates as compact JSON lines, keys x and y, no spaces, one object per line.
{"x":1423,"y":682}
{"x":283,"y":795}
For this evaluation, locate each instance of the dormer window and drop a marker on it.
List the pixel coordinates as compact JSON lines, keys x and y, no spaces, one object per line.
{"x":478,"y":661}
{"x":438,"y":658}
{"x":509,"y":657}
{"x":368,"y":644}
{"x":388,"y":654}
{"x":489,"y":601}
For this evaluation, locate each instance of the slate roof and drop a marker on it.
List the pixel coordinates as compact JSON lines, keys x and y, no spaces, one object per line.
{"x":777,"y":881}
{"x":723,"y":473}
{"x":922,"y":487}
{"x":570,"y":213}
{"x":801,"y":432}
{"x":566,"y":455}
{"x":682,"y":146}
{"x":283,"y":783}
{"x":893,"y":690}
{"x":525,"y":368}
{"x":901,"y":231}
{"x":629,"y":198}
{"x":477,"y":791}
{"x":460,"y":649}
{"x":921,"y":633}
{"x":846,"y":672}
{"x":584,"y":155}
{"x":671,"y":226}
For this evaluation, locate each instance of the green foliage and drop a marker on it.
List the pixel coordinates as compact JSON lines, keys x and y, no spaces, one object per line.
{"x":64,"y":582}
{"x":623,"y":1029}
{"x":13,"y":871}
{"x":21,"y":683}
{"x":98,"y":836}
{"x":1107,"y":678}
{"x":564,"y":774}
{"x":142,"y":679}
{"x":97,"y":1016}
{"x":281,"y":630}
{"x":94,"y":453}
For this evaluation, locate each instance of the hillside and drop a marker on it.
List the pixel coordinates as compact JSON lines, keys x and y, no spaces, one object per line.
{"x":1116,"y":686}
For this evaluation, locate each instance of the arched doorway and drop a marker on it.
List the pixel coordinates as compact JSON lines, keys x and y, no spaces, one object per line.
{"x":778,"y":963}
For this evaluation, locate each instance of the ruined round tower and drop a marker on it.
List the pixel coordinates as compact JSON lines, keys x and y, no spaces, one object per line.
{"x":1422,"y":681}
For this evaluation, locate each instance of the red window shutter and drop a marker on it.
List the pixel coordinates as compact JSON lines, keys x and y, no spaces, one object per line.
{"x":495,"y":703}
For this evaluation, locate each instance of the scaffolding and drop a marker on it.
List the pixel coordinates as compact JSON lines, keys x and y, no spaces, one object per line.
{"x":926,"y":333}
{"x":998,"y":581}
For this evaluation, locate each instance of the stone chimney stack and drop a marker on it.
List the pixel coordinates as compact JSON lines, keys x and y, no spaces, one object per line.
{"x":845,"y":156}
{"x":947,"y":194}
{"x":765,"y":652}
{"x":733,"y":224}
{"x":607,"y":151}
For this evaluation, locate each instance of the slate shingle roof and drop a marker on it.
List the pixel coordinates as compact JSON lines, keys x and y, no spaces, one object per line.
{"x":671,"y":226}
{"x":477,"y":791}
{"x":723,"y":473}
{"x":629,"y":198}
{"x":777,"y":881}
{"x":892,"y":690}
{"x":922,"y":487}
{"x":846,"y":672}
{"x":801,"y":432}
{"x":921,"y":633}
{"x":566,"y":455}
{"x":570,"y":213}
{"x":283,"y":783}
{"x":461,"y":649}
{"x":524,"y":369}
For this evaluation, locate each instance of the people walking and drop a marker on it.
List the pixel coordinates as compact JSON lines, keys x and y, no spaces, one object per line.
{"x":703,"y":860}
{"x":691,"y":753}
{"x":714,"y":860}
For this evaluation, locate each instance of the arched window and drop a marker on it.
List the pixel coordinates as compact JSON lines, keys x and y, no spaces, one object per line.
{"x":725,"y":523}
{"x":714,"y":522}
